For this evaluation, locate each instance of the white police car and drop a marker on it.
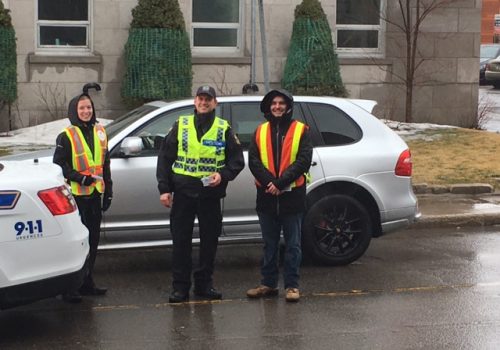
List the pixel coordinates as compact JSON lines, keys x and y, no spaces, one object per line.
{"x":43,"y":244}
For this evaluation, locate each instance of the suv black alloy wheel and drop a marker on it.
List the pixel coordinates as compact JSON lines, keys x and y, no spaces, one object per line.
{"x":337,"y":230}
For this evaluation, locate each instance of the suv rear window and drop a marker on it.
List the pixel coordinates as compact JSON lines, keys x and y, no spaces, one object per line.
{"x":336,"y":127}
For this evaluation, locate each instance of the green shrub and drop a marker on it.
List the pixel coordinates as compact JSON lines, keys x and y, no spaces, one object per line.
{"x":8,"y":58}
{"x":310,"y":9}
{"x":5,"y":20}
{"x":157,"y":54}
{"x":312,"y":66}
{"x":157,"y":14}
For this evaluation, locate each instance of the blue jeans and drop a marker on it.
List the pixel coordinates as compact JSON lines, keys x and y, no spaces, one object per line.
{"x":271,"y":226}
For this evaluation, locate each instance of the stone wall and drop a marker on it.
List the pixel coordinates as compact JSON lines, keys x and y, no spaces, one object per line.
{"x":447,"y":92}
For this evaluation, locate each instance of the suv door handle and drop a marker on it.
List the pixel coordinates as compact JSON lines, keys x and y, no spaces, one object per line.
{"x":314,"y":164}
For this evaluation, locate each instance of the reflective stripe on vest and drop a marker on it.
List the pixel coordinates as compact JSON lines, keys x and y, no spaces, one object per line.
{"x":84,"y":161}
{"x":200,"y":158}
{"x":289,"y":149}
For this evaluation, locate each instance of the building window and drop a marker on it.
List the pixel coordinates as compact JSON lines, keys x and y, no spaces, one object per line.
{"x":63,"y":26}
{"x":359,"y":28}
{"x":216,"y":27}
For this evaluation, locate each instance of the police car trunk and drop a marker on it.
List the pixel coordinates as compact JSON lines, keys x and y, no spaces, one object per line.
{"x":43,"y":244}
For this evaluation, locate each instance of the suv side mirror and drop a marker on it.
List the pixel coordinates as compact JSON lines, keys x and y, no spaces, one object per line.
{"x":131,"y":146}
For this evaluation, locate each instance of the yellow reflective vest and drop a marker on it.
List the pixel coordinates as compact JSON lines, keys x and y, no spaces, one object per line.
{"x":204,"y":157}
{"x":86,"y":162}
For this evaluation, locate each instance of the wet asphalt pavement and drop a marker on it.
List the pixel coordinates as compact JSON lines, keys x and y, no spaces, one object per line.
{"x":416,"y":289}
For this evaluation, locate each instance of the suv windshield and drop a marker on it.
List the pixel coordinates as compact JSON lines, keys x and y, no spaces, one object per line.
{"x":119,"y":124}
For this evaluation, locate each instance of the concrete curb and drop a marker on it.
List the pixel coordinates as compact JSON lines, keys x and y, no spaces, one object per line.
{"x":470,"y":188}
{"x":456,"y":192}
{"x":456,"y":220}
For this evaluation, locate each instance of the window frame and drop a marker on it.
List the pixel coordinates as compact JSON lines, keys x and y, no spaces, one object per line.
{"x":377,"y":52}
{"x":219,"y":51}
{"x":65,"y":50}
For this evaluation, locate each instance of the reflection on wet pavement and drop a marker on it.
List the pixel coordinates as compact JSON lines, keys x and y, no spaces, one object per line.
{"x":447,"y":204}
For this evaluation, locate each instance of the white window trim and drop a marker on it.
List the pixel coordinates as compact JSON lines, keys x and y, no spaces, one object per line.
{"x":378,"y":52}
{"x":63,"y":50}
{"x":219,"y":51}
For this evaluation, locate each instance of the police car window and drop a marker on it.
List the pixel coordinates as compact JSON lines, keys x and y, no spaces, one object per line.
{"x":336,"y":127}
{"x":246,"y":116}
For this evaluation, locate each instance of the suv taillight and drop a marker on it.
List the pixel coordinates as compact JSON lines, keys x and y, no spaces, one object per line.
{"x":58,"y":200}
{"x":403,"y":166}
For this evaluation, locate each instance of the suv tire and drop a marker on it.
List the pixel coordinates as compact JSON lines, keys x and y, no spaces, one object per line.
{"x":336,"y":230}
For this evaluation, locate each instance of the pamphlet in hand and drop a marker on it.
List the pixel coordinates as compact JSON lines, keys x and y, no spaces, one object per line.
{"x":207,"y":180}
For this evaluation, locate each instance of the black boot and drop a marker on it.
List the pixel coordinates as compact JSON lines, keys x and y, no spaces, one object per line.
{"x":89,"y":288}
{"x":72,"y":297}
{"x":178,"y":297}
{"x":208,"y":293}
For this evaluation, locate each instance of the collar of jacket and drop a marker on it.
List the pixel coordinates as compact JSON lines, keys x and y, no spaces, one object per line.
{"x":281,"y":121}
{"x":203,"y":122}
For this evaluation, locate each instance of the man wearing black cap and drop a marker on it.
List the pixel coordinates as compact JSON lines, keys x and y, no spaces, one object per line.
{"x":279,"y":158}
{"x":197,"y":159}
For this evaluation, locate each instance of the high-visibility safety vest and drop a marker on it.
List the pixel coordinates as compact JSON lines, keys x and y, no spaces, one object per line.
{"x":289,"y":149}
{"x":86,"y":162}
{"x":204,"y":157}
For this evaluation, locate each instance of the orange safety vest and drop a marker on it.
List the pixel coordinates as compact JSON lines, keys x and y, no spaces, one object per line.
{"x":86,"y":162}
{"x":289,"y":150}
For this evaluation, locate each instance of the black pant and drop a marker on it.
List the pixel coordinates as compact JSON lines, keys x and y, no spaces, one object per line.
{"x":184,"y":210}
{"x":91,"y":215}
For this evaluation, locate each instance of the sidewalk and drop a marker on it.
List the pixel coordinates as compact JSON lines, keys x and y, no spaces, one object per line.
{"x":465,"y":205}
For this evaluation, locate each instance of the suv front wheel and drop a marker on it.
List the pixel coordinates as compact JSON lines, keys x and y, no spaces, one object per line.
{"x":337,"y":230}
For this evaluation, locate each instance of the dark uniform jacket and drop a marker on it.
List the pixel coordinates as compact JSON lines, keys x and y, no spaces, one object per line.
{"x":168,"y":181}
{"x":63,"y":156}
{"x":289,"y":202}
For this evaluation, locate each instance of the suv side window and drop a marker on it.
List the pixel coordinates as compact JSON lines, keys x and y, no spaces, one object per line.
{"x":246,"y":116}
{"x":336,"y":127}
{"x":153,"y":133}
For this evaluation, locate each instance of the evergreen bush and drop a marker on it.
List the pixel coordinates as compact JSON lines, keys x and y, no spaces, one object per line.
{"x":312,"y":66}
{"x":8,"y":58}
{"x":157,"y":14}
{"x":157,"y":54}
{"x":5,"y":20}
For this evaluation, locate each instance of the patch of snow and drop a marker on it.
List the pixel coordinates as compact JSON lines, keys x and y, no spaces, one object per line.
{"x":413,"y":127}
{"x":412,"y":131}
{"x":486,"y":207}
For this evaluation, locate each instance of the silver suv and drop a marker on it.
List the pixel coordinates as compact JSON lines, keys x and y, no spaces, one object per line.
{"x":361,"y":177}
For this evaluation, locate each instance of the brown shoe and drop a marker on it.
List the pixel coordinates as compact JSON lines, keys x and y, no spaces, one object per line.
{"x":292,"y":294}
{"x":262,"y":291}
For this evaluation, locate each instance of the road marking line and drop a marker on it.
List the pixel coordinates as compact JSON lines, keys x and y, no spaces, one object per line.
{"x":115,"y":307}
{"x":193,"y":302}
{"x":347,"y":293}
{"x":356,"y":292}
{"x":489,"y":284}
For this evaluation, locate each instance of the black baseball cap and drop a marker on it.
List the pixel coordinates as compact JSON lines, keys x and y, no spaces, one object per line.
{"x":206,"y":90}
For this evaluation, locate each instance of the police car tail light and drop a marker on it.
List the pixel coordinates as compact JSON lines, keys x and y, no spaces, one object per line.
{"x":404,"y":164}
{"x":58,"y":200}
